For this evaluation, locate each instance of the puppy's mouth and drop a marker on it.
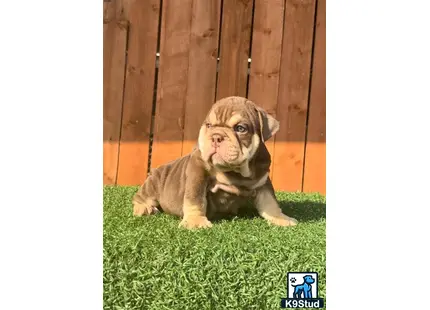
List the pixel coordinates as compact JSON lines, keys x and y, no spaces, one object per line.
{"x":227,"y":161}
{"x":220,"y":149}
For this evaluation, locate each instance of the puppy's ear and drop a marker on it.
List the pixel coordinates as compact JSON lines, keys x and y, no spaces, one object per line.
{"x":269,"y":126}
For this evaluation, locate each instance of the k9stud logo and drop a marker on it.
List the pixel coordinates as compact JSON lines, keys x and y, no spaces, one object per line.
{"x":302,"y":288}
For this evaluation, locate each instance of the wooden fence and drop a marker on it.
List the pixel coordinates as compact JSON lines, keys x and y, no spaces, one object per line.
{"x":167,"y":61}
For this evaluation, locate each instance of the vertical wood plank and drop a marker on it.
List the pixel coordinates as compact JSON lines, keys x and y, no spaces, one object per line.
{"x":293,"y":94}
{"x":201,"y":69}
{"x":314,"y":179}
{"x":114,"y":55}
{"x":143,"y":17}
{"x":235,"y":43}
{"x":266,"y":57}
{"x":172,"y":81}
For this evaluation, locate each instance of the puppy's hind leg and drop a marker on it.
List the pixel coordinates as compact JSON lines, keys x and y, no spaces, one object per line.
{"x":145,"y":200}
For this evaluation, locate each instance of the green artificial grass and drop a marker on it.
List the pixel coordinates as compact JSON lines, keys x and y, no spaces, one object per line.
{"x":240,"y":263}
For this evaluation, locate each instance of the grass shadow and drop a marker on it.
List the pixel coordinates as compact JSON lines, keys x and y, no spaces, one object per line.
{"x":303,"y":211}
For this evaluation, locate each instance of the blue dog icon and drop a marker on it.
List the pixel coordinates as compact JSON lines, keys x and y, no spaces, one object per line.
{"x":305,"y":288}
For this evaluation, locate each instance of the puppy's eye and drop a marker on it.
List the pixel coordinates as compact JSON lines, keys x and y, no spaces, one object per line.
{"x":240,"y":128}
{"x":208,"y":125}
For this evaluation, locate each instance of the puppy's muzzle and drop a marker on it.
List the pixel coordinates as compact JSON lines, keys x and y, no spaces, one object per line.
{"x":223,"y":147}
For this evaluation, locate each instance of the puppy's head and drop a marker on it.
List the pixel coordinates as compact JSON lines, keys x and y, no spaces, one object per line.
{"x":232,"y":133}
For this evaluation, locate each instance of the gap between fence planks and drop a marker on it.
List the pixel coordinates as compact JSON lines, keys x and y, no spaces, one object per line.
{"x":143,"y":17}
{"x":172,"y":81}
{"x":235,"y":44}
{"x":266,"y":58}
{"x":314,"y":179}
{"x":293,"y":94}
{"x":201,"y":69}
{"x":114,"y":54}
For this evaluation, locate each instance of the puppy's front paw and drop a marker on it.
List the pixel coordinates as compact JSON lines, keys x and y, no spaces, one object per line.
{"x":283,"y":221}
{"x":191,"y":222}
{"x":144,"y":209}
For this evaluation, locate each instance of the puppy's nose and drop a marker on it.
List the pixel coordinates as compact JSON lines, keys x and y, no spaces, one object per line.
{"x":217,"y":139}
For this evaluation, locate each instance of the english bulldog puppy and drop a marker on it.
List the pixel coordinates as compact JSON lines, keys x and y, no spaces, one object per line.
{"x":229,"y":166}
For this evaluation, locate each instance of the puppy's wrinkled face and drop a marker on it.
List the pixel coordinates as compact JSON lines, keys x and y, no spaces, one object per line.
{"x":233,"y":131}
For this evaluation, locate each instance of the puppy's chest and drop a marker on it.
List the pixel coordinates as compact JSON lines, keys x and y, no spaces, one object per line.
{"x":227,"y":194}
{"x":222,"y":203}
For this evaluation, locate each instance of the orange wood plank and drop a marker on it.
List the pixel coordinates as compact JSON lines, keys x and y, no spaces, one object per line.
{"x":293,"y":94}
{"x":139,"y":90}
{"x":235,"y":44}
{"x":315,"y":158}
{"x":266,"y":57}
{"x":172,"y":81}
{"x":201,"y":69}
{"x":114,"y":53}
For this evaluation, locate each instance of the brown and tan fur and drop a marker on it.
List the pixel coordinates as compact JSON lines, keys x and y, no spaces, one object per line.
{"x":229,"y":166}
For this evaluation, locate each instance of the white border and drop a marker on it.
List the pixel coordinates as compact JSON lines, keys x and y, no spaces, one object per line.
{"x":378,"y":64}
{"x":51,"y":153}
{"x":51,"y":67}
